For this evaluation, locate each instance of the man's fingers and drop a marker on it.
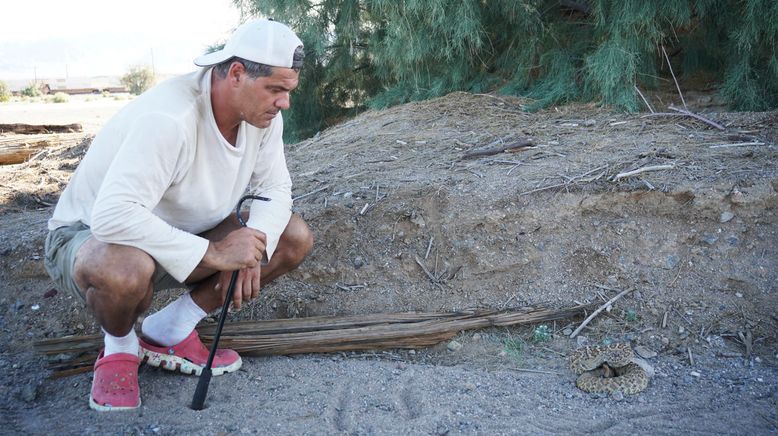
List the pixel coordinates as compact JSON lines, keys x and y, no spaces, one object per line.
{"x":255,"y":286}
{"x":237,"y":295}
{"x":248,"y":288}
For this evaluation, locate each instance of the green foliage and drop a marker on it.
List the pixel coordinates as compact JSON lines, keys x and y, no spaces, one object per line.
{"x":5,"y":94}
{"x":376,"y":53}
{"x":32,"y":90}
{"x":138,"y":79}
{"x":514,"y":348}
{"x":541,"y":334}
{"x":631,"y":315}
{"x":61,"y":97}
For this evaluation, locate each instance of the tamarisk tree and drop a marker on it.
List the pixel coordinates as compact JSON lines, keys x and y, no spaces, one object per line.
{"x":375,"y":53}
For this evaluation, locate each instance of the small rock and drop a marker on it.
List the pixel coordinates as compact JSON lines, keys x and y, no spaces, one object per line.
{"x":418,"y":220}
{"x":358,"y":262}
{"x":567,"y":332}
{"x":733,"y":241}
{"x":617,"y":396}
{"x":738,"y":295}
{"x":477,"y":337}
{"x":695,"y":374}
{"x":672,"y":261}
{"x":589,"y":123}
{"x":469,"y":386}
{"x":644,"y":352}
{"x":411,"y":352}
{"x":726,"y":217}
{"x":581,"y":341}
{"x":50,"y":293}
{"x":30,"y":392}
{"x":454,"y":346}
{"x":35,"y":307}
{"x":710,"y":239}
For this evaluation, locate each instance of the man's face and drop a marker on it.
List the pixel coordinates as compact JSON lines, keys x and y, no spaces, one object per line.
{"x":260,"y":99}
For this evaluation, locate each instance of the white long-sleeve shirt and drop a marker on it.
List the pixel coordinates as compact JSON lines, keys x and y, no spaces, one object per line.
{"x":160,"y":172}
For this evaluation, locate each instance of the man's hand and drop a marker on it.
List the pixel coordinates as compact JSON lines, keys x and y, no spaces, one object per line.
{"x":240,"y":249}
{"x":246,"y":285}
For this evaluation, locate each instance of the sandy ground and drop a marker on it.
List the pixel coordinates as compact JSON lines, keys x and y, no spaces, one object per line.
{"x":548,"y":226}
{"x":91,"y":111}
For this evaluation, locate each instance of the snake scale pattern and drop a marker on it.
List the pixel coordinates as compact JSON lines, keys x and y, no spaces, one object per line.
{"x":607,"y":369}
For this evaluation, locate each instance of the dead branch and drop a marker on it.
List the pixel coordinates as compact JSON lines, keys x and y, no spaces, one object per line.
{"x":674,"y":79}
{"x":597,"y":312}
{"x":697,"y":117}
{"x":316,"y":191}
{"x":512,"y":147}
{"x":738,"y":144}
{"x":323,"y":334}
{"x":644,"y":101}
{"x":642,"y":170}
{"x":30,"y":129}
{"x":20,"y":148}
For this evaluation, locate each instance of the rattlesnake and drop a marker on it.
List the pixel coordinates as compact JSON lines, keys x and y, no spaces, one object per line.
{"x":607,"y":369}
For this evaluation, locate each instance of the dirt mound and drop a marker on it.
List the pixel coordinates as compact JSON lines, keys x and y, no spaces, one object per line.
{"x":551,"y":225}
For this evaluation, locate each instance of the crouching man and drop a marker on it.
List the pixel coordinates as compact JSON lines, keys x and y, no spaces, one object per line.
{"x":151,"y":207}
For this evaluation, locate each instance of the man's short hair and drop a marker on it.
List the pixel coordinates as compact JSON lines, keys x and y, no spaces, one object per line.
{"x":254,"y":69}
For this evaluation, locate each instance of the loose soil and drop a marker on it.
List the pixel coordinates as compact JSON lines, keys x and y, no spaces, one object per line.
{"x":549,"y":226}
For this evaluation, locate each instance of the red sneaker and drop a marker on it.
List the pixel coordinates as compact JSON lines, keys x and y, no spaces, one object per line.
{"x":115,"y":383}
{"x":189,"y":356}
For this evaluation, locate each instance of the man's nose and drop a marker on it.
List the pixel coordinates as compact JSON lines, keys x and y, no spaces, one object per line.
{"x":284,"y":102}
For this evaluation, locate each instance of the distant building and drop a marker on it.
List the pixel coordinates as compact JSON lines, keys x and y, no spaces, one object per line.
{"x":72,"y":85}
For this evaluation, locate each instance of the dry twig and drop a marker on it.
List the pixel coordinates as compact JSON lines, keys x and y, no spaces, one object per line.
{"x":642,"y":170}
{"x":597,"y":312}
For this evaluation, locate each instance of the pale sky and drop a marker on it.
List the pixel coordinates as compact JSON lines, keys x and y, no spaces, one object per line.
{"x":87,"y":38}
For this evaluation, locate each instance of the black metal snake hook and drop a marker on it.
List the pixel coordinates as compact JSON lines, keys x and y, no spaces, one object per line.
{"x":198,"y":401}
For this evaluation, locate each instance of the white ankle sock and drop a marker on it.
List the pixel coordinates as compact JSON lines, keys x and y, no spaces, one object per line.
{"x":174,"y":322}
{"x":124,"y":344}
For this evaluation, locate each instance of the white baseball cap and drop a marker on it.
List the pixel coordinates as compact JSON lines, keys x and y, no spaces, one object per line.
{"x":262,"y":41}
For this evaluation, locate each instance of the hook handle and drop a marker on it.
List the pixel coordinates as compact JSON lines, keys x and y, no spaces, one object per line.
{"x":240,"y":205}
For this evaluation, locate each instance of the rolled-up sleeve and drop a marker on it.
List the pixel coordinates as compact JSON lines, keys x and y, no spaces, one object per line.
{"x":271,"y":179}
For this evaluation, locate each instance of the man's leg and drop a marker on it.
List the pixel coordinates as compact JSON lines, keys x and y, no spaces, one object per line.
{"x":294,"y":245}
{"x":169,"y":337}
{"x":116,"y":282}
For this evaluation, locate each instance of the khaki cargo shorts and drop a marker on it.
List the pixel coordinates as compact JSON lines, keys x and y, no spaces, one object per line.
{"x":62,"y":245}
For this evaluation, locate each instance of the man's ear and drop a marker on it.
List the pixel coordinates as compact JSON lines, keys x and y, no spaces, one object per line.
{"x":235,"y":73}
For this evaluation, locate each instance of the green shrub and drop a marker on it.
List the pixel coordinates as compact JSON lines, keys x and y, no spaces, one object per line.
{"x":5,"y":94}
{"x":61,"y":97}
{"x":138,"y":79}
{"x":514,"y":348}
{"x":32,"y":90}
{"x":541,"y":334}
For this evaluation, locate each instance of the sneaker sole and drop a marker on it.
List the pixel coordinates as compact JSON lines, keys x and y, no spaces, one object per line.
{"x":100,"y":408}
{"x":175,"y":363}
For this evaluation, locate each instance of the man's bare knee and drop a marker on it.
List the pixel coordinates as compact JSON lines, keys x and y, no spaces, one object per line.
{"x":296,"y":241}
{"x":123,"y":273}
